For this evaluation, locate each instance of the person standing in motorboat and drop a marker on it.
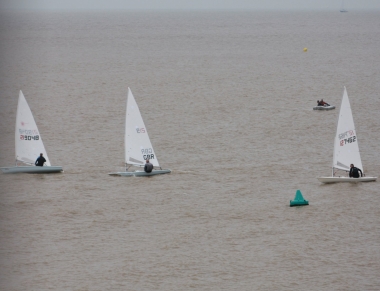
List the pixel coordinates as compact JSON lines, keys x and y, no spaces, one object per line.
{"x":40,"y":160}
{"x":354,"y":172}
{"x":148,"y":168}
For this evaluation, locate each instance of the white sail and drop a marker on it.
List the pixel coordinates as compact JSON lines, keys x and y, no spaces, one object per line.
{"x":346,"y":148}
{"x":28,"y":139}
{"x":138,"y":147}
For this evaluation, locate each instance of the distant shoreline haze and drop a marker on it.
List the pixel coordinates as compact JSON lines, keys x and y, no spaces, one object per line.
{"x":292,"y":5}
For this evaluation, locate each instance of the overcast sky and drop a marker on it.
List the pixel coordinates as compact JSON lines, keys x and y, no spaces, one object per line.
{"x":191,"y":4}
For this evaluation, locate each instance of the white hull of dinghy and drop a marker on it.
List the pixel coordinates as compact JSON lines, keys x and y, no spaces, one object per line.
{"x":141,"y":173}
{"x":324,"y":107}
{"x":346,"y":179}
{"x":32,"y":169}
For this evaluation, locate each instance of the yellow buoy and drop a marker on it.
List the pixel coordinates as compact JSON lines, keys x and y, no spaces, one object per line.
{"x":305,"y":49}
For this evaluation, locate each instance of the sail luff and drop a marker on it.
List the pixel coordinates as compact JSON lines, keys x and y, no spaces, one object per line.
{"x":126,"y":130}
{"x":16,"y":125}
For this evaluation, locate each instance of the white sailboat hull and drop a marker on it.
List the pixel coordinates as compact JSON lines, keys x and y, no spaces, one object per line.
{"x":137,"y":145}
{"x":346,"y":147}
{"x":346,"y":179}
{"x":141,"y":173}
{"x":28,"y":143}
{"x":32,"y":169}
{"x":324,"y":107}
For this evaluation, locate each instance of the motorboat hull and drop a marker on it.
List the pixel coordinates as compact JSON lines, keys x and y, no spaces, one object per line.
{"x":346,"y":179}
{"x":141,"y":173}
{"x":324,"y":107}
{"x":32,"y":169}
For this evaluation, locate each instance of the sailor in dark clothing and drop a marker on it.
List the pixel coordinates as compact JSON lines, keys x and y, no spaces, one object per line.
{"x":148,"y":168}
{"x":324,"y":103}
{"x":354,"y":172}
{"x":40,"y":160}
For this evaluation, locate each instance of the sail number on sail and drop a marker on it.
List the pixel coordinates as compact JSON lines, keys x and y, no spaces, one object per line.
{"x":147,"y":154}
{"x":140,"y":130}
{"x":347,"y":137}
{"x":26,"y":134}
{"x":29,"y":137}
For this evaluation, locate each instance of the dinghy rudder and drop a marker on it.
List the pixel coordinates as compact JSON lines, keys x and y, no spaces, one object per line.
{"x":298,"y":200}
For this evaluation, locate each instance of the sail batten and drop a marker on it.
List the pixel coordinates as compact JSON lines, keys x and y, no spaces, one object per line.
{"x":135,"y":161}
{"x":25,"y":160}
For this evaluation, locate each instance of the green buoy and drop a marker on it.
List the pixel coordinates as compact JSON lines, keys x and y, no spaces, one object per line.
{"x":298,"y":200}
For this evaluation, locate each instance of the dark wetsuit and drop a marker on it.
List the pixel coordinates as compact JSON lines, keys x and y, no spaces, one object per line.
{"x":354,"y":172}
{"x":40,"y":161}
{"x":148,"y":168}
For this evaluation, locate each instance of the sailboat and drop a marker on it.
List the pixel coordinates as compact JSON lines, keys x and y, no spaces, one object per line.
{"x":346,"y":148}
{"x":138,"y":147}
{"x":342,"y":9}
{"x":28,"y":143}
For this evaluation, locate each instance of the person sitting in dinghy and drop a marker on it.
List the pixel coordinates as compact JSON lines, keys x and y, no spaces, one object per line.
{"x":323,"y":103}
{"x":354,"y":172}
{"x":319,"y":103}
{"x":40,"y":160}
{"x":148,"y":168}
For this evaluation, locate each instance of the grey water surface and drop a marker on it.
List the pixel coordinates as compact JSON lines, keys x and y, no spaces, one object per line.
{"x":227,"y":100}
